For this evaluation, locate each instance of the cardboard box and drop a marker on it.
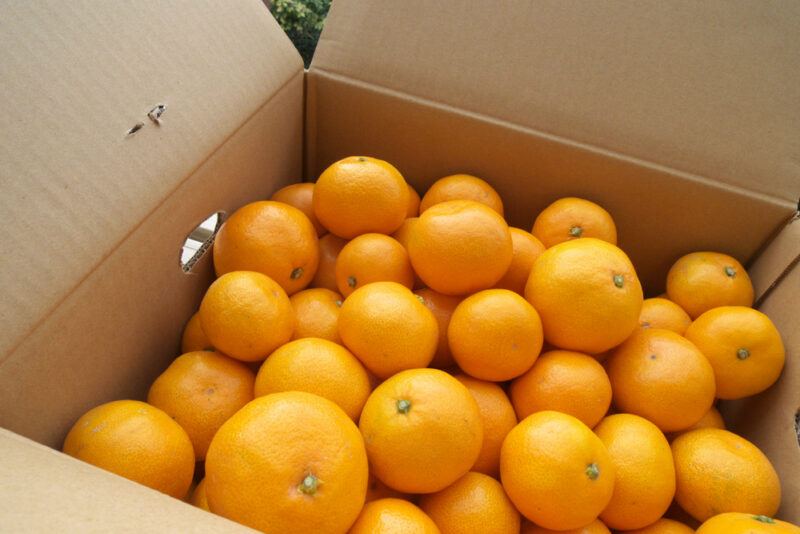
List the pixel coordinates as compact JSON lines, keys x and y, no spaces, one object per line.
{"x":681,"y":118}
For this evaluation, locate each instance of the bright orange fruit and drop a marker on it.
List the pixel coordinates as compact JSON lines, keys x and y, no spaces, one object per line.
{"x":442,"y":307}
{"x":393,"y":516}
{"x":329,"y":248}
{"x":461,"y":187}
{"x":316,"y":312}
{"x":271,"y":238}
{"x":746,"y":523}
{"x":570,"y":218}
{"x":301,"y":196}
{"x":662,"y":313}
{"x":372,"y":258}
{"x":526,"y":249}
{"x":193,"y":336}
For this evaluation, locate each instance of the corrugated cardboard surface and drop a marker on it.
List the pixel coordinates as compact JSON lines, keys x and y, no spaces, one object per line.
{"x":707,"y":88}
{"x":60,"y":494}
{"x":77,"y":76}
{"x":661,"y":214}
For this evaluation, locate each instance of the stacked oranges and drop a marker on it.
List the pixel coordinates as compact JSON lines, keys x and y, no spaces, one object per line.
{"x":369,"y":361}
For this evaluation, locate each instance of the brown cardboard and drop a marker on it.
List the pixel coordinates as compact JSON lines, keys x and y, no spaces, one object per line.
{"x":52,"y":492}
{"x":679,"y":117}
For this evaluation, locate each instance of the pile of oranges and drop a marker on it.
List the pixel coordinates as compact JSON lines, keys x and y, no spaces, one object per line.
{"x":369,"y":361}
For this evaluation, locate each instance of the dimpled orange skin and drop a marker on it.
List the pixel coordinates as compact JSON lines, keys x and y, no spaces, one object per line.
{"x":301,"y":196}
{"x":393,"y":516}
{"x":372,"y":258}
{"x":645,"y":481}
{"x":388,"y":328}
{"x":317,"y":314}
{"x":271,"y":238}
{"x":422,"y":429}
{"x":201,"y":390}
{"x":288,"y":462}
{"x":495,"y":335}
{"x":461,"y":187}
{"x":664,"y":526}
{"x":745,"y":523}
{"x":473,"y":503}
{"x":316,"y":366}
{"x":571,"y":218}
{"x":718,"y":471}
{"x":526,"y":249}
{"x":564,"y":381}
{"x":413,"y":203}
{"x":700,"y":281}
{"x":246,"y":315}
{"x":556,"y":471}
{"x":199,"y":496}
{"x":662,"y":313}
{"x":442,"y":307}
{"x":136,"y":441}
{"x":712,"y":419}
{"x":498,"y":419}
{"x":402,"y":235}
{"x":329,"y":248}
{"x":662,"y":377}
{"x":193,"y":336}
{"x":743,"y":346}
{"x":378,"y":490}
{"x":575,"y":287}
{"x":595,"y":527}
{"x":358,"y":195}
{"x":459,"y":247}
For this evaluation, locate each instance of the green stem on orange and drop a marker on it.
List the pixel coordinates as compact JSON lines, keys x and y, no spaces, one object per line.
{"x":730,"y":271}
{"x":308,"y":485}
{"x":619,"y":280}
{"x":296,"y":273}
{"x":351,"y":281}
{"x":592,"y":471}
{"x":742,"y":354}
{"x":403,"y":406}
{"x":764,"y":519}
{"x":576,"y":231}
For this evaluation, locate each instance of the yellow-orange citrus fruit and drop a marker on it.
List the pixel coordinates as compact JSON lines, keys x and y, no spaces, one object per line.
{"x":459,"y":247}
{"x":743,"y":346}
{"x":442,"y":307}
{"x":329,"y":247}
{"x":663,"y":377}
{"x":393,"y":516}
{"x":288,"y":462}
{"x":712,"y":419}
{"x":387,"y":327}
{"x":587,"y":294}
{"x":246,"y":315}
{"x":556,"y":471}
{"x":495,"y":335}
{"x":402,"y":235}
{"x":746,"y":523}
{"x":663,"y":526}
{"x":498,"y":419}
{"x":570,"y":218}
{"x":645,"y":482}
{"x":413,"y":203}
{"x":201,"y":390}
{"x":193,"y":336}
{"x":301,"y":196}
{"x":718,"y":471}
{"x":461,"y":187}
{"x":473,"y":503}
{"x":595,"y":527}
{"x":372,"y":258}
{"x":422,"y":429}
{"x":199,"y":496}
{"x":378,"y":490}
{"x":526,"y":249}
{"x":316,"y":366}
{"x":358,"y":195}
{"x":564,"y":381}
{"x":316,"y":313}
{"x":700,"y":281}
{"x":271,"y":238}
{"x":662,"y":313}
{"x":136,"y":441}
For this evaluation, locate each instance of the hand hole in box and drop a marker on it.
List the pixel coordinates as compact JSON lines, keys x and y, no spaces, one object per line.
{"x":200,"y":240}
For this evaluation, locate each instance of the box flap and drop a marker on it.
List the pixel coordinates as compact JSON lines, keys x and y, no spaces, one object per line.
{"x":708,"y":89}
{"x":46,"y":491}
{"x":77,"y":77}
